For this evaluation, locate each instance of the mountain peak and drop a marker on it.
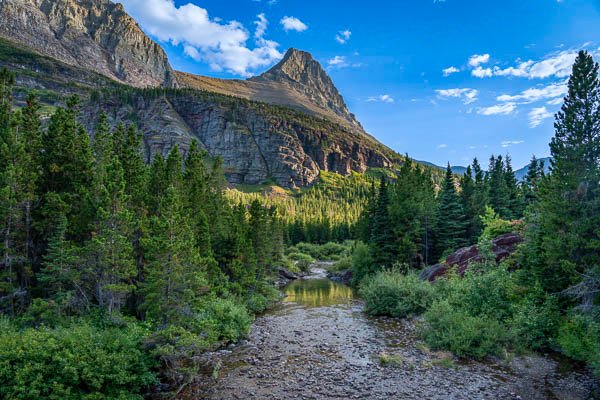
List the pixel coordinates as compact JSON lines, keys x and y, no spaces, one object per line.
{"x":301,"y":72}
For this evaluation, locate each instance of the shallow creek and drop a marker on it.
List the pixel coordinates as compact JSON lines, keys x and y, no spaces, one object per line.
{"x":318,"y":344}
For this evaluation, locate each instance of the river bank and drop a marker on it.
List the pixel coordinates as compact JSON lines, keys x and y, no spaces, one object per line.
{"x":318,"y":344}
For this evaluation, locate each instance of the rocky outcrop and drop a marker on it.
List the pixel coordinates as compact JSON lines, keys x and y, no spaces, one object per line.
{"x":344,"y":276}
{"x":256,"y":142}
{"x":97,"y":35}
{"x":299,"y":71}
{"x":459,"y":261}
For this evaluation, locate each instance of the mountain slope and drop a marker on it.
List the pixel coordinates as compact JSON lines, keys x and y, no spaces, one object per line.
{"x":284,"y":127}
{"x":297,"y":81}
{"x":94,"y":34}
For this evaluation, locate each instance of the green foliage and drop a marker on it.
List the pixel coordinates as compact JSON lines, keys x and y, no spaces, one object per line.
{"x":578,"y":338}
{"x":330,"y":251}
{"x":463,"y":334}
{"x":362,"y":263}
{"x":394,"y":294}
{"x":493,"y":225}
{"x":451,"y":223}
{"x":75,"y":362}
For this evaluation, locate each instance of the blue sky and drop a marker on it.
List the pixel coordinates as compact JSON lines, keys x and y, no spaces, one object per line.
{"x":439,"y":80}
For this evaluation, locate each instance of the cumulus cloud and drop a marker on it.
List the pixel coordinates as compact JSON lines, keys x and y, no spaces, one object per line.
{"x":467,"y":95}
{"x":293,"y":24}
{"x":442,"y":146}
{"x":537,"y":116}
{"x":382,"y":98}
{"x":508,"y":143}
{"x":450,"y":70}
{"x":481,"y":72}
{"x":338,"y":62}
{"x":556,"y":65}
{"x":223,"y":45}
{"x":343,"y":36}
{"x":478,"y":59}
{"x":554,"y":91}
{"x":498,"y":109}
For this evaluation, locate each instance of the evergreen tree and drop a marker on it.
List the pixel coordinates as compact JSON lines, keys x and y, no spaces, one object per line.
{"x":383,"y":244}
{"x":498,"y":193}
{"x":530,"y":185}
{"x":565,"y":223}
{"x":175,"y":274}
{"x":515,"y":203}
{"x":451,"y":227}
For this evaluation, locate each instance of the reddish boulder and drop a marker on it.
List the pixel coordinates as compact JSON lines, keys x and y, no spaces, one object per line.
{"x":502,"y":247}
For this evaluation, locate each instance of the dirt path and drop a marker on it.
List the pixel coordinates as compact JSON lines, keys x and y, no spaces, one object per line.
{"x":319,"y":345}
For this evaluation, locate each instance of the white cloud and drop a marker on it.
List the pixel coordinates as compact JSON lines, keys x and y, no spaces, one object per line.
{"x":498,"y":109}
{"x":382,"y":98}
{"x":480,"y":72}
{"x":343,"y":36}
{"x":293,"y":24}
{"x":442,"y":146}
{"x":537,"y":115}
{"x":450,"y":70}
{"x":508,"y":143}
{"x":551,"y":91}
{"x":223,"y":45}
{"x":338,"y":62}
{"x":467,"y":95}
{"x":477,"y":59}
{"x":558,"y":65}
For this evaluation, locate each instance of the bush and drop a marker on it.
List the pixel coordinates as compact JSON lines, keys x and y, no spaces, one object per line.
{"x":579,"y":338}
{"x":76,"y":362}
{"x":535,"y":322}
{"x":342,"y":264}
{"x":225,"y":320}
{"x":362,"y":263}
{"x":493,"y":225}
{"x":463,"y":334}
{"x":394,"y":294}
{"x":326,"y":252}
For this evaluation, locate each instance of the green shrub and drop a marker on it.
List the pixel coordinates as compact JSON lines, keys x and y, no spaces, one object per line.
{"x":394,"y":294}
{"x":297,"y":256}
{"x":579,"y":338}
{"x":465,"y":335}
{"x":535,"y":322}
{"x":326,"y":252}
{"x":76,"y":362}
{"x":225,"y":320}
{"x":342,"y":264}
{"x":493,"y":225}
{"x":362,"y":263}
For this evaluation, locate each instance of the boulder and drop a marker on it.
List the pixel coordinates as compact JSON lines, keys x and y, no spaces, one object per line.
{"x":344,"y":277}
{"x":459,"y":261}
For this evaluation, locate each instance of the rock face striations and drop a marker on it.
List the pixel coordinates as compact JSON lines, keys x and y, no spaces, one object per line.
{"x":283,"y":126}
{"x":94,"y":34}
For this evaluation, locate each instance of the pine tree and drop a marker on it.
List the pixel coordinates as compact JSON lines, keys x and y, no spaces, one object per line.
{"x":198,"y":197}
{"x":515,"y":202}
{"x":383,"y":242}
{"x":498,"y":193}
{"x":107,"y":257}
{"x":564,"y":235}
{"x":451,"y":226}
{"x":59,"y":274}
{"x":175,"y":275}
{"x":530,"y":185}
{"x":468,"y":201}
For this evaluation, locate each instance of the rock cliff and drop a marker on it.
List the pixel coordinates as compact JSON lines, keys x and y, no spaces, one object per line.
{"x":257,"y":142}
{"x":283,"y":126}
{"x":97,"y":35}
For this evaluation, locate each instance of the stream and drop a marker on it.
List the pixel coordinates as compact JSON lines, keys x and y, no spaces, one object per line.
{"x":318,"y":344}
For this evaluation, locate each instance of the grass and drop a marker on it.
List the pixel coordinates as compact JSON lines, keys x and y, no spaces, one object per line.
{"x":391,"y":360}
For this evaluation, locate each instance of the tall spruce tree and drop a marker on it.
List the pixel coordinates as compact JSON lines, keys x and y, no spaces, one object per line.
{"x":383,"y":243}
{"x":564,"y":234}
{"x":451,"y":229}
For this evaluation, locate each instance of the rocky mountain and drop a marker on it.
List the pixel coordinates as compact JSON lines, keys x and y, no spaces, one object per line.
{"x":283,"y":126}
{"x":97,"y":35}
{"x":297,"y":81}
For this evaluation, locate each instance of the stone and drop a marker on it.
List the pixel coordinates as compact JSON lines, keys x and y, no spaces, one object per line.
{"x":502,"y":247}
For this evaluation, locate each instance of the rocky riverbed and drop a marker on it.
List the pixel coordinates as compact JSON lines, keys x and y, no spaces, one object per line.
{"x":318,"y":344}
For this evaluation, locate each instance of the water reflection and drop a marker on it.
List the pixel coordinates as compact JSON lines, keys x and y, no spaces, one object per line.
{"x":317,"y":293}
